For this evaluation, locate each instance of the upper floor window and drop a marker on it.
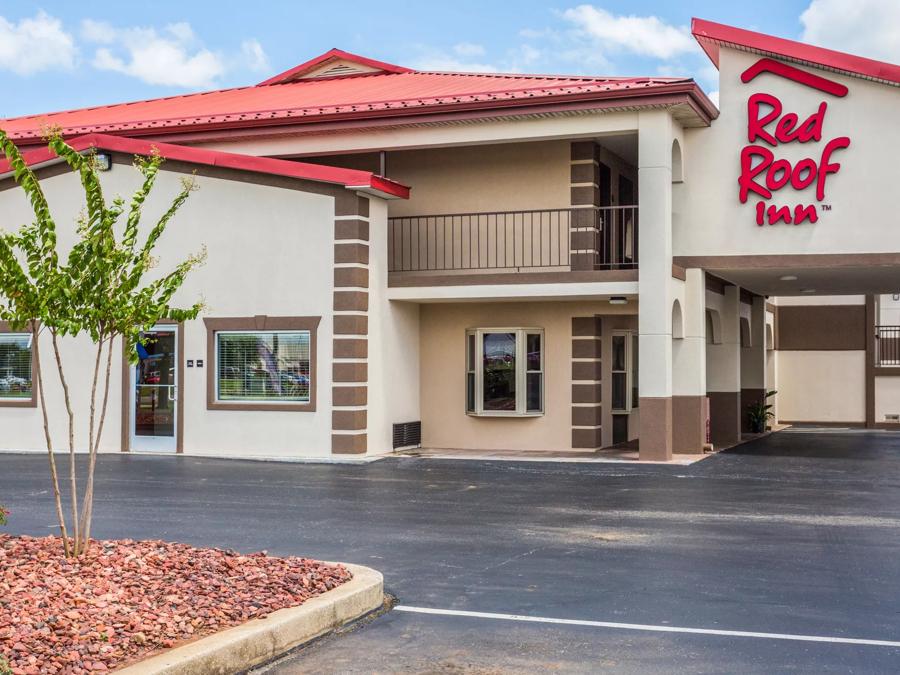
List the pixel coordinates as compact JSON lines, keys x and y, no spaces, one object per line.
{"x":505,"y":371}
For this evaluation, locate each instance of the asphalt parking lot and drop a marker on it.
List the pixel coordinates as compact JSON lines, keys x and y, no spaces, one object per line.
{"x":776,"y":556}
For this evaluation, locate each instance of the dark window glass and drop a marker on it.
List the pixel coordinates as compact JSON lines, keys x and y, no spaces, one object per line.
{"x":499,"y":371}
{"x":635,"y":394}
{"x":534,"y":351}
{"x":470,"y":392}
{"x":470,"y":352}
{"x":619,"y":384}
{"x":534,"y":383}
{"x":618,"y":352}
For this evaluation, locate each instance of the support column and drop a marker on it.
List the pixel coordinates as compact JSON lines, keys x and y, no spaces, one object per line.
{"x":723,"y":371}
{"x":585,"y":198}
{"x":753,"y":362}
{"x":655,"y":137}
{"x":350,"y":366}
{"x":586,"y":382}
{"x":690,"y":407}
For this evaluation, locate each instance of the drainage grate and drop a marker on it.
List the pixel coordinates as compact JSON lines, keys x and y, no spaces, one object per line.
{"x":407,"y":435}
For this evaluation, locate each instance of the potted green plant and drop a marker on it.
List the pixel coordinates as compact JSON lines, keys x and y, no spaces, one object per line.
{"x":759,"y":413}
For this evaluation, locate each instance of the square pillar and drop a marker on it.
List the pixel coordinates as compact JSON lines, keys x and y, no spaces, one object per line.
{"x":655,"y":138}
{"x":690,"y":406}
{"x":753,"y":361}
{"x":723,"y":370}
{"x":584,"y":189}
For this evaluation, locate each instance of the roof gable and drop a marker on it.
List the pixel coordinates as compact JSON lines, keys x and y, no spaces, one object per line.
{"x":334,"y":63}
{"x":712,"y":36}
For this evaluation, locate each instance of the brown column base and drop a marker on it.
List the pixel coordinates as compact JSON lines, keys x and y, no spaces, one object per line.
{"x":724,"y":418}
{"x":749,"y":397}
{"x":689,"y":415}
{"x":655,"y":441}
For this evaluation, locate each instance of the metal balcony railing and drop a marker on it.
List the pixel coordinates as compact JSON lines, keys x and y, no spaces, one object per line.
{"x":887,"y":345}
{"x":515,"y":241}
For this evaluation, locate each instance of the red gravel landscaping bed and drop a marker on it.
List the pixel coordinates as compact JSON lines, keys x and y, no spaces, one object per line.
{"x":128,"y":599}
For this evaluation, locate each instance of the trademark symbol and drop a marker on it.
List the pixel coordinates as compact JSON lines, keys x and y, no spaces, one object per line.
{"x":826,"y":207}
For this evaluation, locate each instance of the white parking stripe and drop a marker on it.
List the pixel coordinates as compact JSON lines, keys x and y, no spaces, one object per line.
{"x":650,"y":627}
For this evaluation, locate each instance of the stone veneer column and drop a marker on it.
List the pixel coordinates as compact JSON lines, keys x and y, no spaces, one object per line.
{"x":350,"y":369}
{"x":586,"y":381}
{"x":584,"y":234}
{"x":690,"y":406}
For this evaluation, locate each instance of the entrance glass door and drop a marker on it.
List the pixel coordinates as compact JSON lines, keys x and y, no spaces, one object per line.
{"x":154,"y":391}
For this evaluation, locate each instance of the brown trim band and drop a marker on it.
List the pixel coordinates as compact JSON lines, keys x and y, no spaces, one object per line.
{"x":411,"y":279}
{"x":821,"y":327}
{"x":33,"y":400}
{"x":351,"y":301}
{"x":351,"y":277}
{"x":351,"y":229}
{"x":349,"y":396}
{"x":679,"y":272}
{"x":870,"y":321}
{"x":351,"y":324}
{"x":351,"y":253}
{"x":260,"y":323}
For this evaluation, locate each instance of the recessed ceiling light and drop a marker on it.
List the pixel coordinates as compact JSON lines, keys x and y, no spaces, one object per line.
{"x":788,"y":277}
{"x":807,"y":290}
{"x":618,"y":300}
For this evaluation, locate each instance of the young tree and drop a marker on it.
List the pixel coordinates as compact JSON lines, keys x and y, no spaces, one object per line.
{"x":101,"y":291}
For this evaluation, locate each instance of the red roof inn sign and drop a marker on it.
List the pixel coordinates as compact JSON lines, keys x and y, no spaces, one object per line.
{"x":763,"y":176}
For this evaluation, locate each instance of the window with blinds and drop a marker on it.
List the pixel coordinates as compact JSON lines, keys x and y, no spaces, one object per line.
{"x":15,"y":366}
{"x":263,"y":366}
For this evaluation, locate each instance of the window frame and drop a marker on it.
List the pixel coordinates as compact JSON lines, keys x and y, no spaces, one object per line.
{"x":522,"y":371}
{"x":259,"y":324}
{"x":30,"y":402}
{"x":628,"y":338}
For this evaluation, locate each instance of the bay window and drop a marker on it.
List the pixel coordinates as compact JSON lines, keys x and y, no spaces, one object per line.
{"x":505,"y":371}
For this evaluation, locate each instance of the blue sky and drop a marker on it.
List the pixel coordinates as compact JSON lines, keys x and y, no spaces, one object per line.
{"x":57,"y":55}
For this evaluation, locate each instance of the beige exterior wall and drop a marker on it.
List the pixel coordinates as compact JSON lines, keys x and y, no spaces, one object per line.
{"x":822,"y":386}
{"x":445,"y":423}
{"x":270,"y":251}
{"x":507,"y":177}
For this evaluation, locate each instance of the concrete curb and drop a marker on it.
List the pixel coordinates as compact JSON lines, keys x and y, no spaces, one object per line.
{"x":262,"y":640}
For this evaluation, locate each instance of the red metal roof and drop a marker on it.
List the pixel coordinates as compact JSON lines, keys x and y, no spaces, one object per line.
{"x":391,"y":92}
{"x":712,"y":35}
{"x":350,"y":178}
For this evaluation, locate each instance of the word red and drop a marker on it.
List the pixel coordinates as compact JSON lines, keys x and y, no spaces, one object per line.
{"x":763,"y":175}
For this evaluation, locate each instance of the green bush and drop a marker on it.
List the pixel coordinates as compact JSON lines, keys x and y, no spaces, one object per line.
{"x":3,"y":514}
{"x":4,"y":667}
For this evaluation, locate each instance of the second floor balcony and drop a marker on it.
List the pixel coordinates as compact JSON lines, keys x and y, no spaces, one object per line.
{"x":549,"y":240}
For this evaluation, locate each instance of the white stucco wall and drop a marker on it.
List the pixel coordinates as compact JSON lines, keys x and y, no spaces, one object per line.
{"x":715,"y":221}
{"x":270,"y":251}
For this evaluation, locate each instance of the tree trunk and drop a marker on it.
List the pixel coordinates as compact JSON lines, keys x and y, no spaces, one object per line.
{"x":73,"y":483}
{"x":87,"y":513}
{"x":54,"y":475}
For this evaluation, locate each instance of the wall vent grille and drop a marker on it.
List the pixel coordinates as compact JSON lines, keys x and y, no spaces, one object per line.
{"x":407,"y":435}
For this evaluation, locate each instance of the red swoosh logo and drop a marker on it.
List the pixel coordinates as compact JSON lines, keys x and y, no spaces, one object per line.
{"x":795,"y":74}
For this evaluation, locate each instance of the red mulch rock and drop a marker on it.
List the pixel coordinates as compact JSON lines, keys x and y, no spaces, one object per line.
{"x":127,"y":599}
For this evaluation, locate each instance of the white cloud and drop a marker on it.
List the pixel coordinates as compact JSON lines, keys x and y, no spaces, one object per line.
{"x":172,"y":56}
{"x":714,"y":97}
{"x":468,"y":49}
{"x":865,"y":27}
{"x":642,"y":35}
{"x":446,"y":62}
{"x":253,"y":56}
{"x":35,"y":44}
